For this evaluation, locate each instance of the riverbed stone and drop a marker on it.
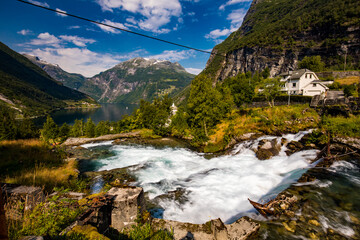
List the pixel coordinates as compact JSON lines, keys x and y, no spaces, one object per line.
{"x":267,"y":149}
{"x":127,"y":204}
{"x":243,"y":228}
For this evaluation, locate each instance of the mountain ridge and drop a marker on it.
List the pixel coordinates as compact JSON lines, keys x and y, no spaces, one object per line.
{"x":126,"y":82}
{"x":30,"y":89}
{"x":278,"y":34}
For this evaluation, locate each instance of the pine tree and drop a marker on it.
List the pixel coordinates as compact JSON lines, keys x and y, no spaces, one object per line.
{"x":50,"y":130}
{"x":90,"y":128}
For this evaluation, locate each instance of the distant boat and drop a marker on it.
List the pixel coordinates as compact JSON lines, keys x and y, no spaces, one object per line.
{"x":127,"y":108}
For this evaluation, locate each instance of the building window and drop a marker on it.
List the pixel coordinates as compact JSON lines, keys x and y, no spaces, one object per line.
{"x":305,"y":75}
{"x":314,"y":84}
{"x":294,"y":84}
{"x":310,"y":75}
{"x":294,"y":92}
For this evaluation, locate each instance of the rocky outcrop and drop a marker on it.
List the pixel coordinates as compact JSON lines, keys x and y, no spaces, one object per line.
{"x":79,"y":141}
{"x":128,"y":203}
{"x":250,"y":50}
{"x":352,"y":142}
{"x":267,"y":149}
{"x":242,"y":229}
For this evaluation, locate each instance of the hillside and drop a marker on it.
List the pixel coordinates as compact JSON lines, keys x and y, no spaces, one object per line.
{"x":71,"y":80}
{"x":27,"y":88}
{"x":278,"y":34}
{"x":136,"y":79}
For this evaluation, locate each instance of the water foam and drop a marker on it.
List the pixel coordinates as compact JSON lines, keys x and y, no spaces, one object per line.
{"x":216,"y":187}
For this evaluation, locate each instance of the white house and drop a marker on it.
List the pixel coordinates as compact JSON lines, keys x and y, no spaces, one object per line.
{"x":302,"y":82}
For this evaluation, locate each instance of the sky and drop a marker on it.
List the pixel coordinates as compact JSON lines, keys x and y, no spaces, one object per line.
{"x":83,"y":47}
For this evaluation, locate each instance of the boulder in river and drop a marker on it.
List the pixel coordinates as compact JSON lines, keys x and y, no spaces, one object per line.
{"x":267,"y":149}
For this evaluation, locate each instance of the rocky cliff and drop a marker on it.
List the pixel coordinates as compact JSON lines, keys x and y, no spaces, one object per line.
{"x":278,"y":34}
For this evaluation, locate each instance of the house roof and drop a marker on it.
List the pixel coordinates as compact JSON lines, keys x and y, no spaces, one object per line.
{"x":295,"y":74}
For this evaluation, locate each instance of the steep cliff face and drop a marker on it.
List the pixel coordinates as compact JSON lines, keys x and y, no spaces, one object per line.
{"x":278,"y":34}
{"x":136,"y":79}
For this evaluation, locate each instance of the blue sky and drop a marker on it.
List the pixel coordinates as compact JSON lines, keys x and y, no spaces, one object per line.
{"x":83,"y":47}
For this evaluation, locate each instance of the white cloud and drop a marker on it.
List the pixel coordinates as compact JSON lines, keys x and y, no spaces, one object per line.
{"x":78,"y":41}
{"x":61,"y":14}
{"x":44,"y":4}
{"x":236,"y":18}
{"x":74,"y":27}
{"x":195,"y":71}
{"x":109,"y":29}
{"x":25,"y":32}
{"x":156,"y":13}
{"x":232,"y":2}
{"x":46,"y":39}
{"x":81,"y":60}
{"x":218,"y":33}
{"x":174,"y":56}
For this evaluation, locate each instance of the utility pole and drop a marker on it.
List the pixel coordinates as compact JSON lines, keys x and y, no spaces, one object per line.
{"x":345,"y":59}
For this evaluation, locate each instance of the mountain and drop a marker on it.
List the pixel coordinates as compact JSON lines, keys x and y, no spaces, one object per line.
{"x":136,"y":79}
{"x":71,"y":80}
{"x":127,"y":82}
{"x":279,"y":33}
{"x":29,"y":89}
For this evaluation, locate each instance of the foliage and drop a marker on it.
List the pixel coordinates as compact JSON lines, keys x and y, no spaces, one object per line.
{"x":50,"y":130}
{"x":102,"y":128}
{"x":271,"y":89}
{"x":86,"y":232}
{"x":11,"y":128}
{"x":206,"y":106}
{"x":275,"y":120}
{"x":342,"y":126}
{"x":314,"y":63}
{"x":351,"y":90}
{"x":89,"y":128}
{"x":145,"y":231}
{"x":242,"y":90}
{"x":51,"y":217}
{"x":77,"y":129}
{"x":179,"y":126}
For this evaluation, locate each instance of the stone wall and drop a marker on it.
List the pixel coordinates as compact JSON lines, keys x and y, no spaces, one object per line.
{"x":338,"y":74}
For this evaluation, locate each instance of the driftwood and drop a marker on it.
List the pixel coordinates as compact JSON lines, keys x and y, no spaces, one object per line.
{"x":264,"y":209}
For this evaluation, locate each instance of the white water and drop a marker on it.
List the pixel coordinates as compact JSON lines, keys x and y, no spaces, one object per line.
{"x":215,"y":188}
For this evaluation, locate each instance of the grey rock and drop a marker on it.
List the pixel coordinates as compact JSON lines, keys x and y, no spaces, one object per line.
{"x":127,"y":204}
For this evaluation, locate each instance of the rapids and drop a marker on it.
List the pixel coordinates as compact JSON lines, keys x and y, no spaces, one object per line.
{"x":212,"y":188}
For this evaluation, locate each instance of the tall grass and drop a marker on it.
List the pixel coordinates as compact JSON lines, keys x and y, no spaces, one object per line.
{"x":342,"y":126}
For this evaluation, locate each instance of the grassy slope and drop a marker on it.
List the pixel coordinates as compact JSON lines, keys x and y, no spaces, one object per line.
{"x":274,"y":120}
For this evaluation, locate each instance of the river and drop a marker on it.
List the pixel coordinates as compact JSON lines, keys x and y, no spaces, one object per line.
{"x":218,"y":186}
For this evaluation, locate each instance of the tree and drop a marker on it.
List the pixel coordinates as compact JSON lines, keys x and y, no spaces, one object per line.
{"x":205,"y":105}
{"x":241,"y":90}
{"x":77,"y":129}
{"x":314,"y":63}
{"x":271,"y":89}
{"x":89,"y":128}
{"x":50,"y":130}
{"x":102,"y":128}
{"x":179,"y":123}
{"x":7,"y":124}
{"x":64,"y":131}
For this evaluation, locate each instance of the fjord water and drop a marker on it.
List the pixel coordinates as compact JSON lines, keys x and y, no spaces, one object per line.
{"x":216,"y":187}
{"x":106,"y":112}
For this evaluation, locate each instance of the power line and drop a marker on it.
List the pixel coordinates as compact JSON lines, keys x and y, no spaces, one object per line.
{"x":118,"y":28}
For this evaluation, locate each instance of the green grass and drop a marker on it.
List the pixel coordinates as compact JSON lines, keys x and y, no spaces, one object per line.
{"x":342,"y":126}
{"x":276,"y":120}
